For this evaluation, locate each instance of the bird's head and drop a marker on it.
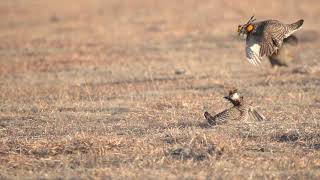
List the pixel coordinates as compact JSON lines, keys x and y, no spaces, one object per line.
{"x":247,"y":28}
{"x":234,"y":97}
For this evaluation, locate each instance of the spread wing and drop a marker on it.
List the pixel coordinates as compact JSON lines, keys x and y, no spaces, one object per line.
{"x":228,"y":114}
{"x":265,"y":43}
{"x":258,"y":46}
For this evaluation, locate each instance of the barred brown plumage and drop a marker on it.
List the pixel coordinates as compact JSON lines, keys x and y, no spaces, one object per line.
{"x":284,"y":54}
{"x":265,"y":37}
{"x":240,"y":111}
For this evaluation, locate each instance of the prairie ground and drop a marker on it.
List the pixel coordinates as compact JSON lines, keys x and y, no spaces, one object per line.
{"x":117,"y":90}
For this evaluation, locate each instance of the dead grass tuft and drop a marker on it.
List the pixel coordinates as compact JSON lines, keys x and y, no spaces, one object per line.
{"x":198,"y":149}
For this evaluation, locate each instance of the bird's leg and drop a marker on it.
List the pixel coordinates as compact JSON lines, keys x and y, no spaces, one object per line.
{"x":277,"y":44}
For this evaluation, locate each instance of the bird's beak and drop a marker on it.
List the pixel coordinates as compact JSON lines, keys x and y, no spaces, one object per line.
{"x":228,"y":98}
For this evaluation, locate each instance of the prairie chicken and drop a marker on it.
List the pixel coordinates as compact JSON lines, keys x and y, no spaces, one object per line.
{"x":284,"y":54}
{"x":265,"y":37}
{"x":240,"y":111}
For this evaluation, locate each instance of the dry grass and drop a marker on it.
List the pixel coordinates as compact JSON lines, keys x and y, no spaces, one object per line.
{"x":117,"y":89}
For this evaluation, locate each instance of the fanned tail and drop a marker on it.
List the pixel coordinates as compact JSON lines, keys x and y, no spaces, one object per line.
{"x":256,"y":115}
{"x":296,"y":25}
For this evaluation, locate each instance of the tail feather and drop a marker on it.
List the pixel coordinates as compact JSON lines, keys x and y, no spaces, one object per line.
{"x":259,"y":116}
{"x":256,"y":115}
{"x":296,"y":25}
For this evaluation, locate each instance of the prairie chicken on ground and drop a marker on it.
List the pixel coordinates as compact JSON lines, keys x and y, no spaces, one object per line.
{"x":265,"y":37}
{"x":240,"y":111}
{"x":284,"y":54}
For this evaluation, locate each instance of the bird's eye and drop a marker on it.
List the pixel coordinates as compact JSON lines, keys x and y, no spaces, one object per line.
{"x":250,"y":28}
{"x":239,"y":28}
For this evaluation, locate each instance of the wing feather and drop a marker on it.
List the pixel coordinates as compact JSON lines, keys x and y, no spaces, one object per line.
{"x":253,"y":49}
{"x":266,"y":41}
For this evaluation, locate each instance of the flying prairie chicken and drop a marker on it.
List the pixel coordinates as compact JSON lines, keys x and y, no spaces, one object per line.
{"x":240,"y":111}
{"x":265,"y":37}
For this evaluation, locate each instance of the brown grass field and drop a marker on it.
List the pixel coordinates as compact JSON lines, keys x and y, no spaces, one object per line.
{"x":117,"y":90}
